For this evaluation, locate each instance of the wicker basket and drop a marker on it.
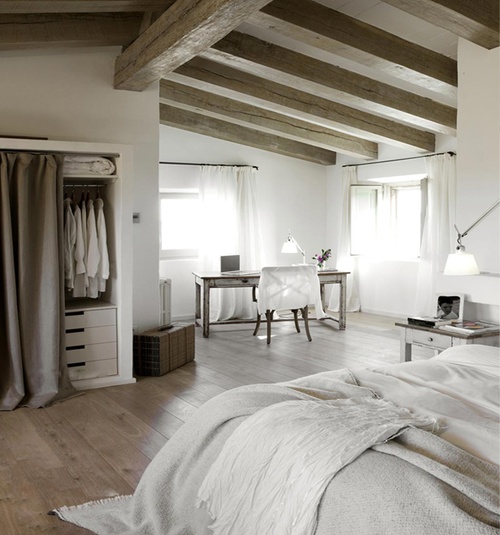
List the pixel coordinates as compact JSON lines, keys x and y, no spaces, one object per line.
{"x":157,"y":352}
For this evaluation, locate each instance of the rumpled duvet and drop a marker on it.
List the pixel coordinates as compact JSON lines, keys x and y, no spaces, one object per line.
{"x":416,"y":484}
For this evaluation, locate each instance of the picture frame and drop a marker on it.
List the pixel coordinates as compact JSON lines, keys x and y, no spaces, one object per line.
{"x":449,"y":306}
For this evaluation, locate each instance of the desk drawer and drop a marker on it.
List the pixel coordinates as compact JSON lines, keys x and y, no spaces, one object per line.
{"x":430,"y":339}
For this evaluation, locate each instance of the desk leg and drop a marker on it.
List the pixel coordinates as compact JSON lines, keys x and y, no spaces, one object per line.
{"x":206,"y":308}
{"x":342,"y":303}
{"x":405,"y":348}
{"x":197,"y":301}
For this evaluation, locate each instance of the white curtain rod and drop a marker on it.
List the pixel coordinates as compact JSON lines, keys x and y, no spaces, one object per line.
{"x":399,"y":159}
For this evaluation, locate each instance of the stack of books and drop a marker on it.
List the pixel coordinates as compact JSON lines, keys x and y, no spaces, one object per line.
{"x":470,"y":327}
{"x":428,"y":321}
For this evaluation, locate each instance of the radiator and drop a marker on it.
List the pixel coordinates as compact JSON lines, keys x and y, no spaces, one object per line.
{"x":165,"y":301}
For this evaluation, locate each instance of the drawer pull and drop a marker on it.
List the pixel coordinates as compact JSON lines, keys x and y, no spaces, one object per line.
{"x":244,"y":281}
{"x":73,"y":348}
{"x":79,"y":330}
{"x":77,"y":313}
{"x":76,"y":364}
{"x":430,"y":339}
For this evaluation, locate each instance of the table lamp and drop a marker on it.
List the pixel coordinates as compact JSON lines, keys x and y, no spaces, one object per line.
{"x":291,"y":246}
{"x":460,"y":262}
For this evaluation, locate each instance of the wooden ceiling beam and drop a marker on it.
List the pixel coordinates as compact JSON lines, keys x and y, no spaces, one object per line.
{"x":209,"y":126}
{"x":477,"y":21}
{"x":82,"y":6}
{"x":329,"y":81}
{"x":92,"y":29}
{"x":182,"y":32}
{"x":217,"y":106}
{"x":205,"y":74}
{"x":334,"y":32}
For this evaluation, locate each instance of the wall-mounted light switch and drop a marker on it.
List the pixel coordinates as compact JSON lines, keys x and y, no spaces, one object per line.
{"x":136,"y":218}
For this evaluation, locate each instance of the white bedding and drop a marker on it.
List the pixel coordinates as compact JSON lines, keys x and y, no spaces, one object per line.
{"x":415,"y":484}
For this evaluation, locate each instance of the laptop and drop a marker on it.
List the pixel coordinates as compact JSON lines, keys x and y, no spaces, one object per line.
{"x":230,"y":265}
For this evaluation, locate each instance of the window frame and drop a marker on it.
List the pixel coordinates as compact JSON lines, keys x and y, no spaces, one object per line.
{"x":181,"y":253}
{"x":386,"y":191}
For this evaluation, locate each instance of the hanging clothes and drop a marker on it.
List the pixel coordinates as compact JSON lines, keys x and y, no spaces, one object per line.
{"x":93,"y":255}
{"x":103,"y":267}
{"x":69,"y":244}
{"x":81,"y":280}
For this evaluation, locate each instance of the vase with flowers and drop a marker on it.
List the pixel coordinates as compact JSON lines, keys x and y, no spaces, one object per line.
{"x":322,"y":258}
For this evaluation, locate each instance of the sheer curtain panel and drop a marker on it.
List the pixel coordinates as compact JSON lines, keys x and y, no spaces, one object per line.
{"x":32,"y":361}
{"x":346,"y":262}
{"x":228,"y":198}
{"x":438,"y":234}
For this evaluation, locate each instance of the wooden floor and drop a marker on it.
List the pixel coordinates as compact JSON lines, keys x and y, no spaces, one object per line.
{"x":98,"y":444}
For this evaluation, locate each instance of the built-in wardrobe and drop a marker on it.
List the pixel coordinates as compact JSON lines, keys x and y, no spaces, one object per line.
{"x":98,"y":328}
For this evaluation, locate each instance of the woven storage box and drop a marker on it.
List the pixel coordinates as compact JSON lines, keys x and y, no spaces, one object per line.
{"x":158,"y":352}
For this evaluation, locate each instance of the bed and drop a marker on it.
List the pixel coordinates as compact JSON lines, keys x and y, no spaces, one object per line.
{"x":425,"y":460}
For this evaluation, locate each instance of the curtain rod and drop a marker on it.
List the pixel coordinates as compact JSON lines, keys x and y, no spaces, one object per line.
{"x":209,"y":164}
{"x":451,"y":153}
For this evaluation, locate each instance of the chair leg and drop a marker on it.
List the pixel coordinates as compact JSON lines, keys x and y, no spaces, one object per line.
{"x":269,"y":319}
{"x":305,"y":315}
{"x":296,"y":319}
{"x":257,"y":325}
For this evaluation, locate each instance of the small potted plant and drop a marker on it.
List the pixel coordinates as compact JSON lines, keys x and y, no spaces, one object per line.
{"x":322,"y":258}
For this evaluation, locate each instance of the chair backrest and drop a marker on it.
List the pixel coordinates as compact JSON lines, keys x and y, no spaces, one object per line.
{"x":288,"y":287}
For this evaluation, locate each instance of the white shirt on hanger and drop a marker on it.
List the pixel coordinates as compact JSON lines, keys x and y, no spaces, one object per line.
{"x":93,"y":255}
{"x":69,"y":244}
{"x":103,"y":267}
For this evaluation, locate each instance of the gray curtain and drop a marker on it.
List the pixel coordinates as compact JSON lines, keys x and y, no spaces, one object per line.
{"x":33,"y":370}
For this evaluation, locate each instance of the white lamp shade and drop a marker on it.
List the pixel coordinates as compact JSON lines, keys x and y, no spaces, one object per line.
{"x":461,"y":263}
{"x":289,"y":247}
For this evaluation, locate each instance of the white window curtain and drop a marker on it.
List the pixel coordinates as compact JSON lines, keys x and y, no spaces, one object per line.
{"x":437,"y":238}
{"x":230,"y":225}
{"x":346,"y":262}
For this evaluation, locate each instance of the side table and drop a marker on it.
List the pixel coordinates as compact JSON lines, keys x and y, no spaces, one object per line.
{"x":440,"y":339}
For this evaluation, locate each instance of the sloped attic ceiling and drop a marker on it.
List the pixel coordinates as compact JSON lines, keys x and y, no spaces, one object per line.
{"x":302,"y":78}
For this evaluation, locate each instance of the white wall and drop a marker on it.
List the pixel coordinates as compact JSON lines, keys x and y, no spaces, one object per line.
{"x":68,"y":95}
{"x":291,"y":196}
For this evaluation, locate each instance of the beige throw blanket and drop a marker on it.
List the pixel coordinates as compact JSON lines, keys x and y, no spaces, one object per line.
{"x":414,"y":485}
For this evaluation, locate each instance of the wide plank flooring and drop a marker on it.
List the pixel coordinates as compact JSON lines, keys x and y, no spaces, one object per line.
{"x":98,"y":444}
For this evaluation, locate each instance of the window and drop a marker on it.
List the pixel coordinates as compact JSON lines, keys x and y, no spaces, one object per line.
{"x":179,"y":224}
{"x":387,"y":218}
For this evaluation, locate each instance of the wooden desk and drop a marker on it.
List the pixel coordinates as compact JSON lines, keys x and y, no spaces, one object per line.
{"x":440,"y":339}
{"x":206,"y":281}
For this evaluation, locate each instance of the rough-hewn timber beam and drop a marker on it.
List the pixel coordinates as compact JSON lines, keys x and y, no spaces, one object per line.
{"x":475,"y":20}
{"x":82,"y":6}
{"x":208,"y":126}
{"x":234,"y":83}
{"x":77,"y":29}
{"x":326,"y":29}
{"x":217,"y":106}
{"x":182,"y":32}
{"x":288,"y":67}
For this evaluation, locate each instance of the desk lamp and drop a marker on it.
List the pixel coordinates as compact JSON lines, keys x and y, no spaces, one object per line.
{"x":460,"y":262}
{"x":291,"y":246}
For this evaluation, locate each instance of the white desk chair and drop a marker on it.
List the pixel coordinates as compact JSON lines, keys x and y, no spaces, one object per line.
{"x":288,"y":288}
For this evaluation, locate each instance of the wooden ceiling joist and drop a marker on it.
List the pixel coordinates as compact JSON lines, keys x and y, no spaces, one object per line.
{"x":182,"y":32}
{"x":234,"y":83}
{"x":477,"y":21}
{"x":209,"y":126}
{"x":324,"y":79}
{"x":217,"y":106}
{"x":332,"y":31}
{"x":63,"y":29}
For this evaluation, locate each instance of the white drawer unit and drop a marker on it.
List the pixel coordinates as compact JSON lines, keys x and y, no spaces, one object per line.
{"x":90,"y":342}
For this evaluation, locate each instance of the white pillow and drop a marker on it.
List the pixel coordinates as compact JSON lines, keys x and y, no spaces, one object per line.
{"x":486,"y":358}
